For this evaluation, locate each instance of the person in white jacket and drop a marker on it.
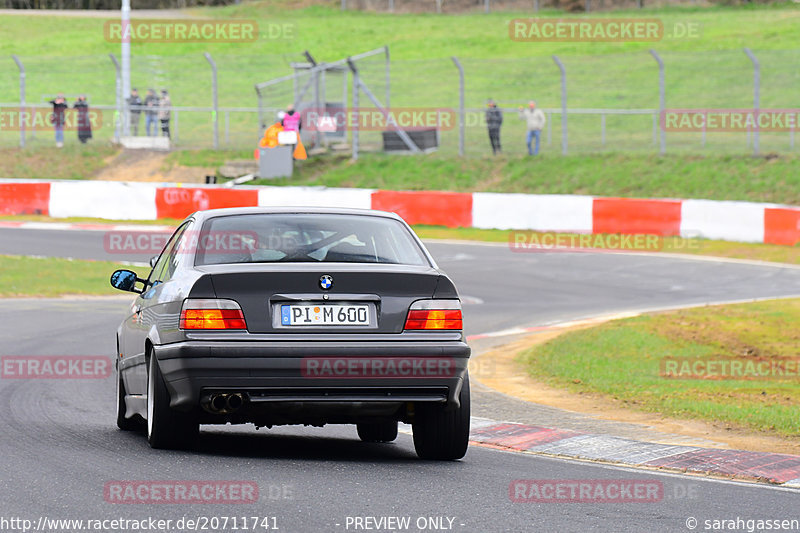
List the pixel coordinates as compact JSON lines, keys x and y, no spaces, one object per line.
{"x":535,"y":121}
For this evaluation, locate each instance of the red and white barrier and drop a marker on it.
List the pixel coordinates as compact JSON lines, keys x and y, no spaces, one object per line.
{"x":733,"y":221}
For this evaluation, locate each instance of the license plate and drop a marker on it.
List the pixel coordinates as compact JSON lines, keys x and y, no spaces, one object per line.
{"x":324,"y":315}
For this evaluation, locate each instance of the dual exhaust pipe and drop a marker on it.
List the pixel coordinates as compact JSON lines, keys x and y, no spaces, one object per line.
{"x":223,"y":403}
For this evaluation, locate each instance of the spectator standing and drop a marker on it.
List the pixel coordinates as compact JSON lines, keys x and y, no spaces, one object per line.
{"x":494,"y":119}
{"x":58,"y":118}
{"x":151,"y":112}
{"x":135,"y":108}
{"x":291,"y":120}
{"x":84,"y":120}
{"x":164,"y":111}
{"x":535,"y":120}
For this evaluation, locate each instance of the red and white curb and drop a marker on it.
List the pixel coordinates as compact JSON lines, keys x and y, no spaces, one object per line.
{"x":724,"y":220}
{"x":775,"y":468}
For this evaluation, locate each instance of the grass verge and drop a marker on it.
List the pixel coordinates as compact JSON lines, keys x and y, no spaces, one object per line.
{"x":73,"y":161}
{"x":49,"y":277}
{"x":745,"y":178}
{"x":625,"y":360}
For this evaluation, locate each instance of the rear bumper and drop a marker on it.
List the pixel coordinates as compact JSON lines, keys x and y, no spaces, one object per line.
{"x":315,"y":376}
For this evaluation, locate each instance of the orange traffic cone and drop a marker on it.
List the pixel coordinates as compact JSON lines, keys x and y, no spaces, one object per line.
{"x":300,"y":150}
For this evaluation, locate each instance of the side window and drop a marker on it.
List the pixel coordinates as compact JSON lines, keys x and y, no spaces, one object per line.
{"x":160,"y":271}
{"x":181,"y":248}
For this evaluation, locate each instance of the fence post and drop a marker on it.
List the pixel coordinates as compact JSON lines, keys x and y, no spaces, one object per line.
{"x":125,"y":76}
{"x":563,"y":104}
{"x":756,"y":95}
{"x":705,"y":123}
{"x":461,"y":117}
{"x":655,"y":129}
{"x":535,"y":6}
{"x":391,"y":6}
{"x":214,"y":96}
{"x":438,"y":6}
{"x":388,"y":78}
{"x":603,"y":129}
{"x":227,"y":127}
{"x":661,"y":100}
{"x":588,"y":5}
{"x":118,"y":112}
{"x":486,"y":5}
{"x":23,"y":112}
{"x":344,"y":5}
{"x":355,"y":108}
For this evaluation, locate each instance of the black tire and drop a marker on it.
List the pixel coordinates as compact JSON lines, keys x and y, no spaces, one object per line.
{"x":377,"y":431}
{"x":166,"y":428}
{"x":125,"y":424}
{"x":443,"y":435}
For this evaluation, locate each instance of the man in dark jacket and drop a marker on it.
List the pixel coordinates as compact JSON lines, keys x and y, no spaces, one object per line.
{"x":135,"y":107}
{"x":58,"y":118}
{"x":494,"y":119}
{"x":84,"y":120}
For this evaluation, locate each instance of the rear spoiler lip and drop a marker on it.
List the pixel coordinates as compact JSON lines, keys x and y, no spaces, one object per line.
{"x":237,"y":268}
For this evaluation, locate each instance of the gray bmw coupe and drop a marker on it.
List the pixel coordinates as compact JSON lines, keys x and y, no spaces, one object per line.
{"x":294,"y":316}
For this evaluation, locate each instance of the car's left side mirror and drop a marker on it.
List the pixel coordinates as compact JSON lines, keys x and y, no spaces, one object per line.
{"x":125,"y":280}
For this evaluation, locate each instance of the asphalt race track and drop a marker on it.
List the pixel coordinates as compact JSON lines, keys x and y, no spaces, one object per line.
{"x":59,"y":446}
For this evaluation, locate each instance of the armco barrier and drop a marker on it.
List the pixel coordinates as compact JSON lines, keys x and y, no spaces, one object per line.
{"x":732,"y":221}
{"x":631,"y":215}
{"x":180,"y":202}
{"x":451,"y":209}
{"x":24,"y":198}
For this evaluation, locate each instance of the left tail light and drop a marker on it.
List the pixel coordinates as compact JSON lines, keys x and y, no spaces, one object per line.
{"x":434,"y":314}
{"x":211,"y":314}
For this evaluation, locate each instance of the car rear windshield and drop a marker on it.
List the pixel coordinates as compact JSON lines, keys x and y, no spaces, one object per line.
{"x":313,"y":238}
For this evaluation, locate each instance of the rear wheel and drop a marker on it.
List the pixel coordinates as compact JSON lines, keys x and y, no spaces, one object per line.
{"x":440,"y":434}
{"x":377,"y":431}
{"x":125,"y":424}
{"x":166,"y":428}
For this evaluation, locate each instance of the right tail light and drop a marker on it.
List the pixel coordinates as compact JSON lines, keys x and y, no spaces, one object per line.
{"x":434,"y":315}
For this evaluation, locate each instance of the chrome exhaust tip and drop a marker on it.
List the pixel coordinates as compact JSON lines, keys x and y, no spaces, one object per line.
{"x":218,"y":402}
{"x":234,"y":402}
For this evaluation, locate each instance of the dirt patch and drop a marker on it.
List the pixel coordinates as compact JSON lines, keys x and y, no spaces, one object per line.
{"x":145,"y":165}
{"x":501,"y":372}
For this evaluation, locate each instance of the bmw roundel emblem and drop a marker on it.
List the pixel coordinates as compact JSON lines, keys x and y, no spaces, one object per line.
{"x":326,"y":282}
